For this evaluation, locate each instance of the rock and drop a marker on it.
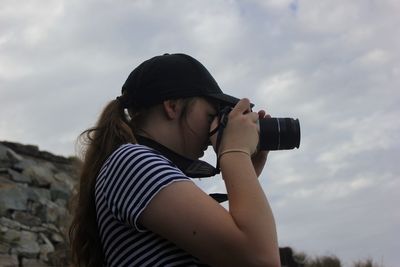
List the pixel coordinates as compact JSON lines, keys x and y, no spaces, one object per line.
{"x":23,"y":164}
{"x":28,"y":245}
{"x":66,"y":180}
{"x":55,"y":213}
{"x":5,"y":177}
{"x":59,"y":191}
{"x":57,"y":238}
{"x":3,"y":153}
{"x":41,"y":175}
{"x":37,"y":229}
{"x":46,"y":247}
{"x":4,"y":249}
{"x":8,"y":261}
{"x":33,"y":151}
{"x":13,"y":196}
{"x":60,"y":256}
{"x":14,"y":157}
{"x":39,"y":210}
{"x":33,"y":263}
{"x":19,"y":177}
{"x":40,"y":195}
{"x":50,"y":227}
{"x":8,"y":155}
{"x":11,"y":237}
{"x":23,"y":243}
{"x":35,"y":189}
{"x":4,"y":221}
{"x":26,"y":218}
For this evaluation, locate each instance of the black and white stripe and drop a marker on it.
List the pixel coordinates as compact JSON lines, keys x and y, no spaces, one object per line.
{"x":127,"y":182}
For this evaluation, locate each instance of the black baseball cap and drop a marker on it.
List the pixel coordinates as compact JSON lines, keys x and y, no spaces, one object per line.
{"x":172,"y":76}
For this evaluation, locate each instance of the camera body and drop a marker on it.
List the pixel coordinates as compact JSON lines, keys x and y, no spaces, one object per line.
{"x":274,"y":133}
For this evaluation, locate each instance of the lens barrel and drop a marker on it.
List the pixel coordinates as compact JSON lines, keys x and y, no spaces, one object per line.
{"x":279,"y":133}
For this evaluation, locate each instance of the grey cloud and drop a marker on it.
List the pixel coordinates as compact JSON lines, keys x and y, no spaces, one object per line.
{"x":334,"y":65}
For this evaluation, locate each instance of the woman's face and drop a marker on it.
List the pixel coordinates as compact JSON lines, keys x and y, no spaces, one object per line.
{"x":196,"y":127}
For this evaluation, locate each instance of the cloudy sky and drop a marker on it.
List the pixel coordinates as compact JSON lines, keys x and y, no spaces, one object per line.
{"x":335,"y":65}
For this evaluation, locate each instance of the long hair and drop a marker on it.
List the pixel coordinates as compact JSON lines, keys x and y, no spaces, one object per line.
{"x":112,"y":130}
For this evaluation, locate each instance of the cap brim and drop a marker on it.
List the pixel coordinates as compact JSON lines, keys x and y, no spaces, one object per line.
{"x":227,"y":99}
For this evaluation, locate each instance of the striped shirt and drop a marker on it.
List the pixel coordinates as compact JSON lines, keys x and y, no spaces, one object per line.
{"x":127,"y":182}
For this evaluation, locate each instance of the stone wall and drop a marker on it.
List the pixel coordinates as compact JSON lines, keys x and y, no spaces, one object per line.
{"x":35,"y":188}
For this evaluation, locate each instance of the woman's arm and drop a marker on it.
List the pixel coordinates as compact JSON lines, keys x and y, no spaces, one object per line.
{"x":243,"y":236}
{"x":185,"y":215}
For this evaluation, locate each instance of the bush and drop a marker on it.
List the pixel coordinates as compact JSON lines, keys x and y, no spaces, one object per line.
{"x":366,"y":263}
{"x":324,"y":261}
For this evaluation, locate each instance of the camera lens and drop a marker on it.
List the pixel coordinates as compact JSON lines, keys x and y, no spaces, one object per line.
{"x":279,"y":133}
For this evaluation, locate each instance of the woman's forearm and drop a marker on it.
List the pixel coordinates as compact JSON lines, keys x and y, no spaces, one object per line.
{"x":248,"y":204}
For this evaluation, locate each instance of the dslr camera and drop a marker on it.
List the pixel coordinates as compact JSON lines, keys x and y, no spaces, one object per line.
{"x":275,"y":133}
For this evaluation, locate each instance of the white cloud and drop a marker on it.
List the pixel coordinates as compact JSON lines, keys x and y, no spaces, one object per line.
{"x":334,"y":65}
{"x":32,"y":19}
{"x":364,"y":135}
{"x":375,"y":57}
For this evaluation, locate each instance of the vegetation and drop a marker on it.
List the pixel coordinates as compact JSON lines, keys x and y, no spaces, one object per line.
{"x":366,"y":263}
{"x":328,"y":261}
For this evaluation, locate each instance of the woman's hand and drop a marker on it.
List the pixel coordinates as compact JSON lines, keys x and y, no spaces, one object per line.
{"x":237,"y":121}
{"x":260,"y":157}
{"x":241,"y":131}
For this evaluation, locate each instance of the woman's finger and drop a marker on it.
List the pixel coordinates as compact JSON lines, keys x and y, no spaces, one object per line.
{"x":241,"y":107}
{"x":261,"y":114}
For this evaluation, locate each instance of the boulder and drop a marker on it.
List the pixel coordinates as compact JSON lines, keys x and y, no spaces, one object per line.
{"x":19,"y":177}
{"x":46,"y":247}
{"x":33,"y":263}
{"x":8,"y":261}
{"x":13,"y":196}
{"x":42,"y":175}
{"x":24,"y":242}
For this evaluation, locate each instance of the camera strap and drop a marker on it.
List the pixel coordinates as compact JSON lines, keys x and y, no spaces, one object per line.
{"x":192,"y":168}
{"x":219,"y":130}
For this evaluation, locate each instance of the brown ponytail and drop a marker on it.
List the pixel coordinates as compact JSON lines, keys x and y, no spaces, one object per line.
{"x":112,"y":130}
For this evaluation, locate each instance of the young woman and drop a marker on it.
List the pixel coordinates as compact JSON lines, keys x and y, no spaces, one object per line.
{"x":136,"y":203}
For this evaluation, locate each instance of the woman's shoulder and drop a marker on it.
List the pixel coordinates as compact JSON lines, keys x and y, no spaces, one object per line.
{"x":136,"y":151}
{"x":135,"y":157}
{"x":136,"y":162}
{"x":130,"y":147}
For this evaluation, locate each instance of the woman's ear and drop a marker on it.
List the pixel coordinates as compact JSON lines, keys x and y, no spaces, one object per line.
{"x":172,"y":109}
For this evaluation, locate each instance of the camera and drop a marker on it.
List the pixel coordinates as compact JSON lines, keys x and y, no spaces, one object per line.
{"x":279,"y":134}
{"x":274,"y":133}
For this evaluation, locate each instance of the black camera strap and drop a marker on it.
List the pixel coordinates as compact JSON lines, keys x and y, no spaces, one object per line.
{"x":219,"y":130}
{"x":192,"y":168}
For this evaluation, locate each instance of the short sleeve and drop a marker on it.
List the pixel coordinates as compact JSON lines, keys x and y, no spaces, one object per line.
{"x":133,"y":176}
